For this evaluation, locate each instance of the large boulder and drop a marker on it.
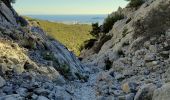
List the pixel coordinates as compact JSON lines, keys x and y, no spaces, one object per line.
{"x":145,"y":92}
{"x":162,"y":93}
{"x":2,"y":82}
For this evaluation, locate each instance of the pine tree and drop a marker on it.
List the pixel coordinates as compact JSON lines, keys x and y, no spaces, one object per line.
{"x":135,"y":3}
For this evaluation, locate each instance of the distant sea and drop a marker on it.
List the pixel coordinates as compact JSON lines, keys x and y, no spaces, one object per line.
{"x":72,"y":19}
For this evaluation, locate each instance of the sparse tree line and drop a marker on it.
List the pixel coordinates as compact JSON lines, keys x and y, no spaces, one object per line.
{"x":111,"y":19}
{"x":108,"y":23}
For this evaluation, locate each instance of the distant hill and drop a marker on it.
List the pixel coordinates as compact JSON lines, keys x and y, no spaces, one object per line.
{"x":71,"y":35}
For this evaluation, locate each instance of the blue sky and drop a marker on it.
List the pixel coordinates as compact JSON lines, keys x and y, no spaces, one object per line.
{"x":68,"y":6}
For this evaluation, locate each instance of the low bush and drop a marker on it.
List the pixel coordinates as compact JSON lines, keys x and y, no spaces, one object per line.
{"x":88,"y":44}
{"x":135,"y":3}
{"x":110,"y":20}
{"x":95,"y":30}
{"x":48,"y":56}
{"x":64,"y":70}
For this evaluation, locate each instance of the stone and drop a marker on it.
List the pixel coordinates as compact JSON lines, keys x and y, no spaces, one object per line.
{"x":48,"y":86}
{"x":8,"y":90}
{"x":146,"y":72}
{"x":60,"y":93}
{"x":153,"y":48}
{"x":145,"y":92}
{"x":18,"y":69}
{"x":117,"y":92}
{"x":138,"y":63}
{"x":121,"y":97}
{"x":22,"y":92}
{"x":130,"y":96}
{"x":42,"y":98}
{"x":119,"y":76}
{"x":2,"y":82}
{"x":147,"y":44}
{"x":1,"y":60}
{"x":167,"y":32}
{"x":30,"y":66}
{"x":165,"y":54}
{"x":162,"y":93}
{"x":14,"y":60}
{"x":129,"y":87}
{"x":34,"y":96}
{"x":152,"y":63}
{"x":41,"y":91}
{"x":106,"y":98}
{"x":11,"y":97}
{"x":150,"y":57}
{"x":3,"y":68}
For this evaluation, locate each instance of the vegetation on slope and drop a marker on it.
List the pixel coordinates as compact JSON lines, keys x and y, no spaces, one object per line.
{"x":110,"y":20}
{"x":72,"y":35}
{"x":135,"y":3}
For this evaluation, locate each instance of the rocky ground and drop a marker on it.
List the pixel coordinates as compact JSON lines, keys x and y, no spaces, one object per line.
{"x":133,"y":65}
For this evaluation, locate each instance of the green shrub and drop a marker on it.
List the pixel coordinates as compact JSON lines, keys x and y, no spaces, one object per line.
{"x":48,"y":56}
{"x":135,"y":3}
{"x":88,"y":44}
{"x":110,"y":20}
{"x":64,"y":70}
{"x":95,"y":30}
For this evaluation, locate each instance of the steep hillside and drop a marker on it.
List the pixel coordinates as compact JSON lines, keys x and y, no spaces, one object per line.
{"x":72,"y":36}
{"x":31,"y":63}
{"x":134,"y":63}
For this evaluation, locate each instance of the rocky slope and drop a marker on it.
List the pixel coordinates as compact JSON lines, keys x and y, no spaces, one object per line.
{"x":134,"y":63}
{"x":33,"y":66}
{"x":131,"y":62}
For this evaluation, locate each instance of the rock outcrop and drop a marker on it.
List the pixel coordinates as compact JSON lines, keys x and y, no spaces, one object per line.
{"x":32,"y":65}
{"x":137,"y":57}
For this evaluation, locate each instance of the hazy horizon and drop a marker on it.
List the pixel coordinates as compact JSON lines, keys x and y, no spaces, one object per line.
{"x":65,"y":14}
{"x":67,"y":7}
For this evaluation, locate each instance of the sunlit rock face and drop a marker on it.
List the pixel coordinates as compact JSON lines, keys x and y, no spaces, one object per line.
{"x":138,"y":52}
{"x":31,"y":64}
{"x":37,"y":43}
